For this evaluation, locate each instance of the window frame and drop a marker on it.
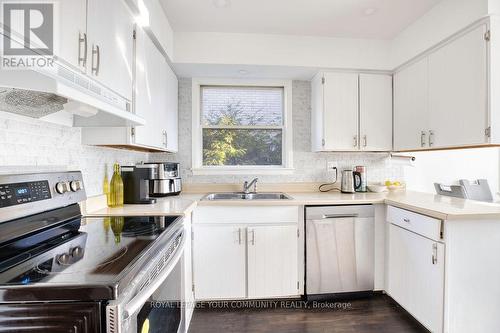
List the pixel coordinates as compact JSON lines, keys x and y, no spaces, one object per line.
{"x":197,"y":136}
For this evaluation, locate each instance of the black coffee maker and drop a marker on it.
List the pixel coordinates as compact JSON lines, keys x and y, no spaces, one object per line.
{"x":136,"y":183}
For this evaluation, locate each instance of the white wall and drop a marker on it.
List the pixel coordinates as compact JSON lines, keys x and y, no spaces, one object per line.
{"x":280,"y":50}
{"x":449,"y":166}
{"x":31,"y":145}
{"x":442,"y":21}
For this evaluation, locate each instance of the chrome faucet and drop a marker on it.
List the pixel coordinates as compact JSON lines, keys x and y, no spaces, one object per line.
{"x":247,"y":186}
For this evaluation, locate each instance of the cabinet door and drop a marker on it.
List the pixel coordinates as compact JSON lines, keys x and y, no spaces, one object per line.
{"x":110,"y":27}
{"x":375,"y":111}
{"x":272,"y":261}
{"x":411,"y":111}
{"x":72,"y":27}
{"x":150,"y":96}
{"x":171,"y":121}
{"x":416,"y":276}
{"x":458,"y":91}
{"x":340,"y":121}
{"x":219,"y":262}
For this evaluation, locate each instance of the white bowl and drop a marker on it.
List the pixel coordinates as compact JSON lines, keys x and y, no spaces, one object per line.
{"x":377,"y":188}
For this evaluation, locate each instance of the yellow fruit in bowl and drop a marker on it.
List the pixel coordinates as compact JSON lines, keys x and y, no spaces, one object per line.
{"x":396,"y":183}
{"x":388,"y":183}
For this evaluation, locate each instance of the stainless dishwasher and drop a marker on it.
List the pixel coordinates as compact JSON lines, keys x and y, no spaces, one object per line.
{"x":339,"y":250}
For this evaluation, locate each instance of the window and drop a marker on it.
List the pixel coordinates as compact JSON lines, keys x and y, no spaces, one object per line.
{"x":241,"y":127}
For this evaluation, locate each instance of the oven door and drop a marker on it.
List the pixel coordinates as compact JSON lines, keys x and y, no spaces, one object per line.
{"x":156,"y":308}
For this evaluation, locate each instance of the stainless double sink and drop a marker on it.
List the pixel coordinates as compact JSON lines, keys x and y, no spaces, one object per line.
{"x":246,"y":196}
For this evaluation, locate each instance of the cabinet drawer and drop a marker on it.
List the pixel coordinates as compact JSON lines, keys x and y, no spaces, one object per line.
{"x":420,"y":224}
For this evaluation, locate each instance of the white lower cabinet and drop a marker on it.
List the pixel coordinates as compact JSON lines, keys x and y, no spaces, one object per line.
{"x":272,"y":261}
{"x":219,"y":262}
{"x":416,"y":276}
{"x":416,"y":270}
{"x":245,"y":252}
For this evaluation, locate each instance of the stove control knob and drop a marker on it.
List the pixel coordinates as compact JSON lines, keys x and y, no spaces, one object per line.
{"x":63,"y":259}
{"x":77,"y":252}
{"x":75,"y":185}
{"x":62,"y":187}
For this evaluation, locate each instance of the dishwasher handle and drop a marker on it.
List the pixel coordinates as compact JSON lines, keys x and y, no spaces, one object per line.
{"x":338,"y":216}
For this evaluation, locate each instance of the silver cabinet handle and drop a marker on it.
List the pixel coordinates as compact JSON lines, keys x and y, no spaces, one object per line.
{"x":365,"y":140}
{"x":239,"y":236}
{"x":164,"y":133}
{"x":355,"y":143}
{"x":252,"y":240}
{"x":96,"y":54}
{"x":434,"y":254}
{"x":431,"y":138}
{"x":407,"y":220}
{"x":82,"y":60}
{"x":422,"y":139}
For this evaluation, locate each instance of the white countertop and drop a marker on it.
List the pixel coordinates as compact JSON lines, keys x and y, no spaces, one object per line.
{"x":441,"y":207}
{"x":178,"y":205}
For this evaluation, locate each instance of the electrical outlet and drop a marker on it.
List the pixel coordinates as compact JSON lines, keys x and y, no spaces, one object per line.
{"x":330,"y":166}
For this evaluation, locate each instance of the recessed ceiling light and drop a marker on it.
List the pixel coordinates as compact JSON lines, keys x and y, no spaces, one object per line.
{"x":370,"y":11}
{"x":243,"y":72}
{"x":222,"y":3}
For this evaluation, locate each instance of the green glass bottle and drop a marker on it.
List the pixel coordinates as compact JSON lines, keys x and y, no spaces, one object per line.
{"x":116,"y":190}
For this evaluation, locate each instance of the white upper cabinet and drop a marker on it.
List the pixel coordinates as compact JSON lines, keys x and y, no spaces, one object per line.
{"x":150,"y":93}
{"x":458,"y":91}
{"x":411,"y":106}
{"x":335,"y":112}
{"x":155,"y":100}
{"x":72,"y":44}
{"x":442,"y":100}
{"x":172,"y":111}
{"x":110,"y":28}
{"x":375,"y":112}
{"x":351,"y":112}
{"x":340,"y":113}
{"x":156,"y":97}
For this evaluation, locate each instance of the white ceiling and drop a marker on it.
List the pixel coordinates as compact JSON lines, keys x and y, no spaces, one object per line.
{"x":332,"y":18}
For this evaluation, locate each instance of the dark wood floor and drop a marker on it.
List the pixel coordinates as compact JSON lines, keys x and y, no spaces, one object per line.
{"x":377,"y":314}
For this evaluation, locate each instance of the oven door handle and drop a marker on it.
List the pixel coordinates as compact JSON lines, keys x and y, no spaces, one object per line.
{"x":138,"y":301}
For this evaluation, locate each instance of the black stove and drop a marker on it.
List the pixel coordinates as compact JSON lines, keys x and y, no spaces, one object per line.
{"x":85,"y":251}
{"x":50,"y":253}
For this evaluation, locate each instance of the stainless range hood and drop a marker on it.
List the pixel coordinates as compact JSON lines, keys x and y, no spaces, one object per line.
{"x":30,"y":103}
{"x":44,"y":91}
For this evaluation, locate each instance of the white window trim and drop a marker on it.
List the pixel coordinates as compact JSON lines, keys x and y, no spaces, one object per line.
{"x":197,"y":142}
